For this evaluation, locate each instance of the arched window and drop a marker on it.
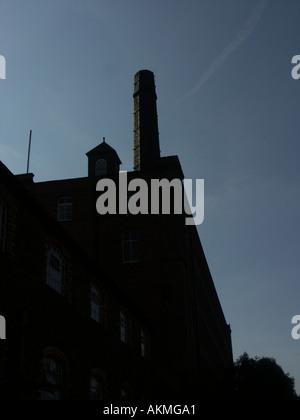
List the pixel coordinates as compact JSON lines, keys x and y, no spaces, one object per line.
{"x":101,"y":167}
{"x":54,"y":377}
{"x":96,"y":388}
{"x":55,"y":270}
{"x":96,"y":304}
{"x":144,"y":344}
{"x":2,"y":223}
{"x":123,"y":327}
{"x":98,"y":385}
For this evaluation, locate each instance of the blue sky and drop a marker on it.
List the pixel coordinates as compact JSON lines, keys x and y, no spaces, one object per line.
{"x":227,"y":106}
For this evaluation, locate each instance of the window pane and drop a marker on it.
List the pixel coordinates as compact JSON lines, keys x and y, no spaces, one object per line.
{"x":55,"y":263}
{"x":95,"y":311}
{"x":55,"y":270}
{"x":53,"y":371}
{"x":96,"y":388}
{"x":64,"y":209}
{"x":130,"y":246}
{"x":52,"y":379}
{"x":123,"y":327}
{"x":95,"y":304}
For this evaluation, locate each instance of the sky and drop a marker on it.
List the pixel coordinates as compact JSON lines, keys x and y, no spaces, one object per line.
{"x":227,"y":106}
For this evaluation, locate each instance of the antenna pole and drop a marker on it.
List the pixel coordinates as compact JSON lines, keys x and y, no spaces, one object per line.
{"x":29,"y":151}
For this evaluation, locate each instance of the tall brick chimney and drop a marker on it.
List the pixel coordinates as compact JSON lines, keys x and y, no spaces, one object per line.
{"x":146,"y":139}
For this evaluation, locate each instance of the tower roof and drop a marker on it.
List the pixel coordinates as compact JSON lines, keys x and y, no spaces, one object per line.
{"x":104,"y":149}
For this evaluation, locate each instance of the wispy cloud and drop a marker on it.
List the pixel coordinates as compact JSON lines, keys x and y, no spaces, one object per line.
{"x":238,"y":40}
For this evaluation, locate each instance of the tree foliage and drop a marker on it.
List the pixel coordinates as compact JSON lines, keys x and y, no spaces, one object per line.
{"x":262,"y":379}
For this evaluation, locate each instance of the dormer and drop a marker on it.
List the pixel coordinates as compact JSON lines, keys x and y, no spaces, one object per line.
{"x":103,"y":160}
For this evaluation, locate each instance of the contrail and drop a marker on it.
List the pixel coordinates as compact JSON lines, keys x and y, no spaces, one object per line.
{"x":241,"y":36}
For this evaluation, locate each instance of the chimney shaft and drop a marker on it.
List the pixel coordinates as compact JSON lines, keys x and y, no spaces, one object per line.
{"x":146,"y":139}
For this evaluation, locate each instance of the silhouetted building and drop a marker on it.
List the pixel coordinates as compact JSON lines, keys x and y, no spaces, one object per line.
{"x":108,"y":306}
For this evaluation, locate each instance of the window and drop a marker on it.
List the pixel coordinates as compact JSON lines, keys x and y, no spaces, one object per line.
{"x":2,"y":223}
{"x":130,"y":247}
{"x":64,"y":209}
{"x":98,"y":385}
{"x":123,"y":327}
{"x":144,"y":344}
{"x":96,"y":388}
{"x":56,"y":270}
{"x":53,"y":378}
{"x":95,"y":304}
{"x":101,"y":167}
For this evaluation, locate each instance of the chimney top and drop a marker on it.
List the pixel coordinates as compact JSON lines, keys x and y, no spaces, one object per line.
{"x":146,"y":137}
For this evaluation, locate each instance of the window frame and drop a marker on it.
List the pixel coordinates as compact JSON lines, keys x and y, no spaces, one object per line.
{"x":57,"y":281}
{"x":101,"y":379}
{"x":144,"y":337}
{"x":65,"y":209}
{"x":130,"y":246}
{"x":124,"y":327}
{"x":98,"y":394}
{"x":96,"y":314}
{"x":53,"y":379}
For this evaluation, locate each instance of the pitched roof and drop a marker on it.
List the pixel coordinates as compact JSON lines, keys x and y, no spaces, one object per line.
{"x":103,"y":148}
